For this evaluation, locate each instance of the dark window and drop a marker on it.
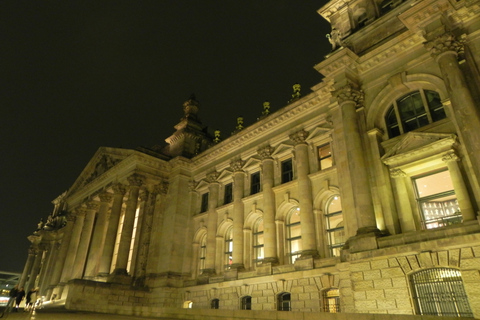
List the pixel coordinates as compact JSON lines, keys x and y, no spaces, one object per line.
{"x":287,"y":171}
{"x":284,"y":302}
{"x":255,"y":183}
{"x":204,"y":207}
{"x":440,"y":292}
{"x":246,"y":303}
{"x":413,"y":111}
{"x":228,"y":193}
{"x":214,"y":304}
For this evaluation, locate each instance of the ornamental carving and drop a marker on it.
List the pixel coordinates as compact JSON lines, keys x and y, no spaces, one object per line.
{"x":397,"y":173}
{"x":103,"y":165}
{"x":349,"y":93}
{"x":80,"y":211}
{"x":212,"y":177}
{"x":451,"y":156}
{"x":299,"y":137}
{"x":444,"y":43}
{"x":105,"y":197}
{"x":237,"y":165}
{"x":136,"y":180}
{"x":266,"y":153}
{"x":119,"y":188}
{"x":92,"y":205}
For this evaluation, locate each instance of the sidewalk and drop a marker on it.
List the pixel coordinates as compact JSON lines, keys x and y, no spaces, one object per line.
{"x":60,"y":313}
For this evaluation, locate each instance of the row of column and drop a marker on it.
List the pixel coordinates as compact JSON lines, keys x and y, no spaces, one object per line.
{"x":270,"y":246}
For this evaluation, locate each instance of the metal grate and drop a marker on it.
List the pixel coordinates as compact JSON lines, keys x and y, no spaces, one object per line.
{"x":440,"y":292}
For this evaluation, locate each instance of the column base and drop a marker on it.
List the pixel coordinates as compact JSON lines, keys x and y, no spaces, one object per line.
{"x":119,"y":276}
{"x":309,"y":254}
{"x":271,"y":260}
{"x":208,"y":272}
{"x":237,"y":266}
{"x":364,"y":240}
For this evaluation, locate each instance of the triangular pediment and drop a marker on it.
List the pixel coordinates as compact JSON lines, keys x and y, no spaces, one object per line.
{"x":318,"y":131}
{"x":283,"y":148}
{"x":103,"y":160}
{"x":418,"y":145}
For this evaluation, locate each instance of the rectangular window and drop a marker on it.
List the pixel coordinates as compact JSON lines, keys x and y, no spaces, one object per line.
{"x":228,"y":196}
{"x":437,"y":200}
{"x":255,"y":183}
{"x":325,"y":159}
{"x":204,"y":207}
{"x":287,"y":171}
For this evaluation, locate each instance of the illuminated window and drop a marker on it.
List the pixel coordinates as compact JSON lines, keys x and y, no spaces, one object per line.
{"x":214,"y":304}
{"x":188,"y":304}
{"x":437,"y":201}
{"x":331,"y":300}
{"x":228,"y":248}
{"x":335,"y":225}
{"x":287,"y":171}
{"x":284,"y":302}
{"x":258,"y":241}
{"x":246,"y":303}
{"x":414,"y":111}
{"x":204,"y":206}
{"x":325,"y":159}
{"x":203,"y":252}
{"x":440,"y":292}
{"x":228,"y":195}
{"x":294,"y":235}
{"x":255,"y":183}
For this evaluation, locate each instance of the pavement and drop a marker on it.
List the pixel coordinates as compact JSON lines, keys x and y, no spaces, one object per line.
{"x":60,"y":313}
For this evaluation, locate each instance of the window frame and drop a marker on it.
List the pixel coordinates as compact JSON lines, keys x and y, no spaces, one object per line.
{"x":204,"y":202}
{"x":333,"y":248}
{"x":255,"y":183}
{"x":282,"y":303}
{"x":228,"y":252}
{"x":286,"y":173}
{"x":228,"y":193}
{"x":293,"y":255}
{"x":326,"y":299}
{"x":246,"y":303}
{"x":256,"y":246}
{"x":320,"y":158}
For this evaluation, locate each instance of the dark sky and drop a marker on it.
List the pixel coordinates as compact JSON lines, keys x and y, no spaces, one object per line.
{"x":78,"y":75}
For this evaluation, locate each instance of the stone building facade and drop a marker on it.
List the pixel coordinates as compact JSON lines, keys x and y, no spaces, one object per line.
{"x":359,"y":197}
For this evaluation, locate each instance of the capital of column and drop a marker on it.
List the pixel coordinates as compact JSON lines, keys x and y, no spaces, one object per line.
{"x":299,"y":137}
{"x":266,"y":152}
{"x":119,"y":188}
{"x":446,"y":42}
{"x":105,"y":197}
{"x":80,"y":211}
{"x":397,"y":173}
{"x":349,"y":93}
{"x":162,"y":187}
{"x":212,"y":177}
{"x":237,"y":165}
{"x":143,"y":195}
{"x":91,"y":205}
{"x":136,"y":180}
{"x":450,"y":156}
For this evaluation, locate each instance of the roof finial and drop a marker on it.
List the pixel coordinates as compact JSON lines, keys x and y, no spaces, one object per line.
{"x":296,"y":93}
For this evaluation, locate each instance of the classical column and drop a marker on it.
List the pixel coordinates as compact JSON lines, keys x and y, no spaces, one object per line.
{"x":307,"y":222}
{"x":269,"y":233}
{"x":112,"y":230}
{"x":135,"y":182}
{"x":213,"y":194}
{"x":98,"y":239}
{"x":86,"y":235}
{"x":361,"y":208}
{"x":35,"y":268}
{"x":407,"y":223}
{"x":73,"y":246}
{"x":238,"y":213}
{"x":459,"y":186}
{"x":48,"y":265}
{"x":61,"y":256}
{"x":28,"y":267}
{"x":445,"y":49}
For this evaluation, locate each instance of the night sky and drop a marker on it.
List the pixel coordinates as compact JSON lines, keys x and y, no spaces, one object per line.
{"x":78,"y":75}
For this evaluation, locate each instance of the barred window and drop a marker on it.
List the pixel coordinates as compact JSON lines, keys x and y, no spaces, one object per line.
{"x":284,"y":302}
{"x":246,"y":303}
{"x":331,"y":300}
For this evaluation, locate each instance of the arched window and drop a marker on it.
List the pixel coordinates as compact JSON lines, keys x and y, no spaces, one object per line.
{"x":203,"y":252}
{"x":214,"y":304}
{"x":258,"y":240}
{"x":440,"y":292}
{"x":188,"y":304}
{"x":335,"y":225}
{"x":228,"y":248}
{"x":294,"y":235}
{"x":246,"y":303}
{"x":284,"y":302}
{"x":331,"y":300}
{"x":413,"y":111}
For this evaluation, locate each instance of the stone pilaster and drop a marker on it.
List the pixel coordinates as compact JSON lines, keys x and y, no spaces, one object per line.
{"x":35,"y":268}
{"x":61,"y":257}
{"x":407,"y":222}
{"x":451,"y":159}
{"x":73,"y":245}
{"x":269,"y":233}
{"x":28,"y":267}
